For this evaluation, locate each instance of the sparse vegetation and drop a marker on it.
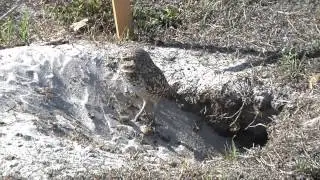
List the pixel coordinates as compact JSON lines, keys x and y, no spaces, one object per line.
{"x":99,"y":13}
{"x":15,"y":31}
{"x":297,"y":66}
{"x":292,"y":66}
{"x":150,"y":21}
{"x":309,"y":164}
{"x":260,"y":28}
{"x":24,"y":28}
{"x":232,"y":152}
{"x":7,"y":31}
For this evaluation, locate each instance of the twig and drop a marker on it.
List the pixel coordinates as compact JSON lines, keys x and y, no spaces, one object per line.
{"x":289,"y":22}
{"x":56,"y":42}
{"x":261,"y":160}
{"x":253,"y":126}
{"x":286,"y":13}
{"x":238,"y":114}
{"x":317,"y":29}
{"x":11,"y":108}
{"x":312,"y":122}
{"x":10,"y":10}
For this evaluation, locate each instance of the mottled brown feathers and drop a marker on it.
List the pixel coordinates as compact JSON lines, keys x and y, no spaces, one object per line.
{"x":145,"y":75}
{"x":146,"y":80}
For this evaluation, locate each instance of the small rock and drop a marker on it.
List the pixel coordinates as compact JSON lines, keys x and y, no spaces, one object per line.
{"x":146,"y":130}
{"x":49,"y":146}
{"x":78,"y":25}
{"x":19,"y":135}
{"x":27,"y":137}
{"x":10,"y":158}
{"x":124,"y":118}
{"x":93,"y":155}
{"x":173,"y":164}
{"x":46,"y":163}
{"x":14,"y":165}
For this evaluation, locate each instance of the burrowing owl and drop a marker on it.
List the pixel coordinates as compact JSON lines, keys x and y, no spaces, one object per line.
{"x":146,"y":79}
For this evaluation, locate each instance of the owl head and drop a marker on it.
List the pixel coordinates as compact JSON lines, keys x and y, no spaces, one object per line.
{"x":132,"y":59}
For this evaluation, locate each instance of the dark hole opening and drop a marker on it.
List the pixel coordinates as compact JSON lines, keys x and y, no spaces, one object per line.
{"x":243,"y":116}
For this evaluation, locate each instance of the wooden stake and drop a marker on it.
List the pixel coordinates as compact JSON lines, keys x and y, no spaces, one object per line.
{"x":122,"y":17}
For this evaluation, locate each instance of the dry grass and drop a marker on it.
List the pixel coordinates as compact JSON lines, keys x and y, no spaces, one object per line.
{"x":258,"y":27}
{"x":286,"y":29}
{"x":262,"y":25}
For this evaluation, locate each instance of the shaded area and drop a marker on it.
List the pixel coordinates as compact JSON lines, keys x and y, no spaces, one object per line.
{"x":187,"y":129}
{"x":238,"y":110}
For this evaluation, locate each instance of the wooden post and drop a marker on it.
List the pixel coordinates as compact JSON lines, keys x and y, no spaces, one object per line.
{"x":122,"y":17}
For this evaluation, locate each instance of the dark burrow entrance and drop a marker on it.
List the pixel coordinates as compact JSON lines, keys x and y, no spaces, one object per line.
{"x":242,"y":109}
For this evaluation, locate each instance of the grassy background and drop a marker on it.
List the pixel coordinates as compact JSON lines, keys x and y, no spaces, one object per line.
{"x":254,"y":25}
{"x":275,"y":30}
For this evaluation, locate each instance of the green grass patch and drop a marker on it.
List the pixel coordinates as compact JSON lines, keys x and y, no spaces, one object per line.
{"x":15,"y":31}
{"x":231,"y":152}
{"x":150,"y":21}
{"x":292,"y":66}
{"x":24,"y":28}
{"x":99,"y":13}
{"x":309,"y":166}
{"x":7,"y":31}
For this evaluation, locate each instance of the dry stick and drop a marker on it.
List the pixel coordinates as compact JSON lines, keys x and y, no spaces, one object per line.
{"x":312,"y":122}
{"x":253,"y":126}
{"x":11,"y":10}
{"x":238,"y":115}
{"x":317,"y":29}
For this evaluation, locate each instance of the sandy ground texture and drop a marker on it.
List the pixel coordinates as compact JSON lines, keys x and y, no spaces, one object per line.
{"x":60,"y":106}
{"x":59,"y":112}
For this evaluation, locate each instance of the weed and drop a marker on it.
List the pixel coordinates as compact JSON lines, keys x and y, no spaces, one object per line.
{"x":24,"y":28}
{"x":292,"y":65}
{"x":15,"y":32}
{"x":148,"y":20}
{"x":99,"y":13}
{"x":308,"y":166}
{"x":7,"y":31}
{"x":231,"y":153}
{"x":302,"y":165}
{"x":208,"y":9}
{"x":151,"y":21}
